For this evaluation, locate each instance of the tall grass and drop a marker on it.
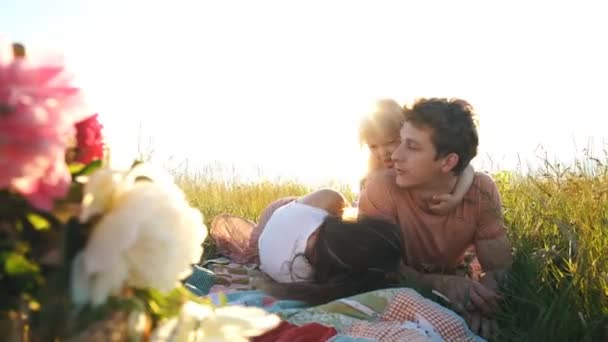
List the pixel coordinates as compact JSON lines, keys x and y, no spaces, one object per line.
{"x":558,"y":224}
{"x":216,"y":190}
{"x":214,"y":193}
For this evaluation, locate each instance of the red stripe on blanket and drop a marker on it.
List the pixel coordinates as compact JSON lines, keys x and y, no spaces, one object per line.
{"x":287,"y":332}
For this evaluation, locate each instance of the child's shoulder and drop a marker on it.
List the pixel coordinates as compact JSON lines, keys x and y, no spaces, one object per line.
{"x":380,"y":179}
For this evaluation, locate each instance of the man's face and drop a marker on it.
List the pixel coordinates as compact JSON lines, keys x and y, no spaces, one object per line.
{"x":414,"y":159}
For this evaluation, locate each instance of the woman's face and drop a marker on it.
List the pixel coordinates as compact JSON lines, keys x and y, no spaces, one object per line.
{"x":382,"y":147}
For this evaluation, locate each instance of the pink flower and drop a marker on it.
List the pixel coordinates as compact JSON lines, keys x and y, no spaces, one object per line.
{"x":38,"y":111}
{"x":89,"y":145}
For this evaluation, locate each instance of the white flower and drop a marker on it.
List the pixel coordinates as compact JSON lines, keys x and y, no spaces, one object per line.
{"x":147,"y":236}
{"x":198,"y":323}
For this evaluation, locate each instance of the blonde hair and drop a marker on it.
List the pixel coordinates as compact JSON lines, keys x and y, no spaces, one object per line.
{"x":386,"y":119}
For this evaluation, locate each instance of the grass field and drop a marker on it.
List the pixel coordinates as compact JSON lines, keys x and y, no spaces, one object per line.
{"x":558,"y":224}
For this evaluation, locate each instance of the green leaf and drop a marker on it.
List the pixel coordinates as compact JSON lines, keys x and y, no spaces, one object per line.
{"x":19,"y":226}
{"x":15,"y":265}
{"x":74,"y":194}
{"x":74,"y":240}
{"x":75,"y":168}
{"x":136,"y":162}
{"x":38,"y":222}
{"x":21,"y":247}
{"x":163,"y":304}
{"x":89,"y":168}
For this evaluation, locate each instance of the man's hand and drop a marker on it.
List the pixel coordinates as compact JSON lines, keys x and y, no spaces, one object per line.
{"x":480,"y":324}
{"x":489,"y":281}
{"x":465,"y":294}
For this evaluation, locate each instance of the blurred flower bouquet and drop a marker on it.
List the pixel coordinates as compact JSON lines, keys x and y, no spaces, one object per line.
{"x":87,"y":252}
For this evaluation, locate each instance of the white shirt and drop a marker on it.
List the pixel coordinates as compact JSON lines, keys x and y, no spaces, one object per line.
{"x":284,"y":240}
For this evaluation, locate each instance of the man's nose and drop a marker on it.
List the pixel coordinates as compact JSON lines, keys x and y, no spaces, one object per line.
{"x":397,"y":154}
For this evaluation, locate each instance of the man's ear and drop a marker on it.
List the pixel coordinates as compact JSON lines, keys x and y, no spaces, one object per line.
{"x":449,"y":162}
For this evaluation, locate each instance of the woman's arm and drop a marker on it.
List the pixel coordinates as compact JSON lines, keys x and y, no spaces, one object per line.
{"x":329,"y":200}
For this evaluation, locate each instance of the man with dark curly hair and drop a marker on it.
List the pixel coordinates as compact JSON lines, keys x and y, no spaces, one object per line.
{"x":438,"y":141}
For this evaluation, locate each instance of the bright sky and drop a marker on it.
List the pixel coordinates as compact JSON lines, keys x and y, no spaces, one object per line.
{"x":281,"y":84}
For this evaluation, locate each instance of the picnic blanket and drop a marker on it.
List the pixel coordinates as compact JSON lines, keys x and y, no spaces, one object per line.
{"x":223,"y":275}
{"x":399,"y":314}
